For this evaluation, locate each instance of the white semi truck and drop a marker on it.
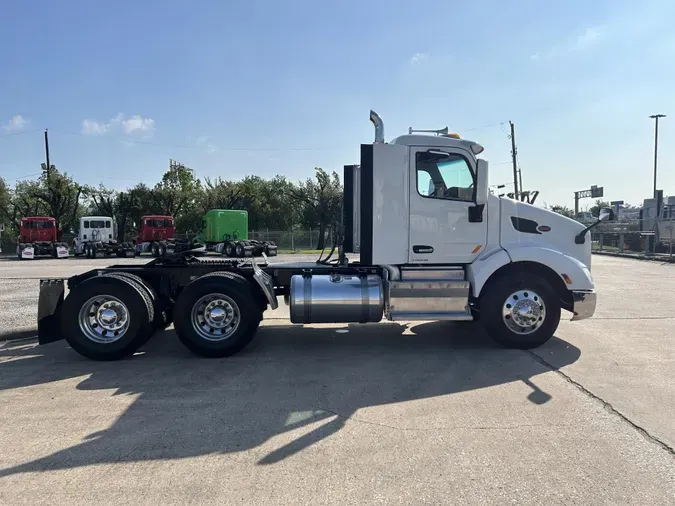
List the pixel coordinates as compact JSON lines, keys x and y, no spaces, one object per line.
{"x":96,"y":237}
{"x":434,"y":244}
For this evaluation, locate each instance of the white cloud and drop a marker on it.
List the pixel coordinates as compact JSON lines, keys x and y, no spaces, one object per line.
{"x":587,"y":39}
{"x":137,"y":123}
{"x":92,"y":127}
{"x":16,"y":124}
{"x":203,"y":141}
{"x":418,"y":57}
{"x":581,"y":42}
{"x":128,"y":125}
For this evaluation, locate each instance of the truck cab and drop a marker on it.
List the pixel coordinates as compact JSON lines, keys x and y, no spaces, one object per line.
{"x":38,"y":236}
{"x":156,"y":228}
{"x":421,"y":203}
{"x":37,"y":229}
{"x":97,"y":235}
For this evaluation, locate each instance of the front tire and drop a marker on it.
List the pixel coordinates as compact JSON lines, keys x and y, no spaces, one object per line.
{"x":217,"y":315}
{"x":520,"y":310}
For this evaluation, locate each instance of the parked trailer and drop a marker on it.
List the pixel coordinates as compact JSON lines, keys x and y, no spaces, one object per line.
{"x":427,"y":252}
{"x":38,"y":237}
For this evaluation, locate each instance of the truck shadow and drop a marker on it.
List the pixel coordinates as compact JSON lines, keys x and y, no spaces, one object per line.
{"x":312,"y":381}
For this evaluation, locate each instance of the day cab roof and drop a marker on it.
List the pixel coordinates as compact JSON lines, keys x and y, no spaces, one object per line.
{"x":437,"y":141}
{"x":96,"y":218}
{"x":219,"y":211}
{"x":41,"y":218}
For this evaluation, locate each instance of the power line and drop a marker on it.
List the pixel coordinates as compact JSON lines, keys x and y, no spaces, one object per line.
{"x":200,"y":148}
{"x":14,"y":134}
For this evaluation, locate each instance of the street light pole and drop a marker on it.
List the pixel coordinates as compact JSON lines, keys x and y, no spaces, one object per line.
{"x":656,"y":144}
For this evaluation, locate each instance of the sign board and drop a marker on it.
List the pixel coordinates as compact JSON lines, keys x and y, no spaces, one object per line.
{"x":597,"y":192}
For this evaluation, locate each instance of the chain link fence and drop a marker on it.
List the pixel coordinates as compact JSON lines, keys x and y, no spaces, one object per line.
{"x":631,"y":238}
{"x":287,"y":241}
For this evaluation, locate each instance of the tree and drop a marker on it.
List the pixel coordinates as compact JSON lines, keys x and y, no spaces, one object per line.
{"x":599,"y":204}
{"x":119,"y":205}
{"x":564,"y":210}
{"x":176,"y":192}
{"x":322,"y":201}
{"x":53,"y":194}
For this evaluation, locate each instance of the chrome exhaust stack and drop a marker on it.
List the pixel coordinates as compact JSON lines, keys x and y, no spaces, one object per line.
{"x":379,"y":127}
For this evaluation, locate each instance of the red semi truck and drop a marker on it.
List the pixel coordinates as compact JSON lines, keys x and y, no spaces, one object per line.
{"x":38,"y":237}
{"x":157,"y":235}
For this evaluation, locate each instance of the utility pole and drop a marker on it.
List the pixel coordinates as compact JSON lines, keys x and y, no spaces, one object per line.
{"x":47,"y":167}
{"x":656,"y":144}
{"x":515,"y":161}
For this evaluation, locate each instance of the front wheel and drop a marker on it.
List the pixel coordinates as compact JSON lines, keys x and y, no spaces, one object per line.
{"x":520,"y":310}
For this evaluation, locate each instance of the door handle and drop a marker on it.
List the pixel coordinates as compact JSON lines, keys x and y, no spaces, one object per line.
{"x":422,"y":248}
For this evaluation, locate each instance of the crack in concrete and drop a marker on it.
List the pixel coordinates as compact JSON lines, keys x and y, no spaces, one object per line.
{"x":606,"y":405}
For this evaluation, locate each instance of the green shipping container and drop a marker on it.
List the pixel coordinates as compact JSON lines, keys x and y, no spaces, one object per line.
{"x":221,"y":224}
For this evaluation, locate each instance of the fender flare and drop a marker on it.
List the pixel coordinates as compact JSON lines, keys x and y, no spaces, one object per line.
{"x":577,"y":274}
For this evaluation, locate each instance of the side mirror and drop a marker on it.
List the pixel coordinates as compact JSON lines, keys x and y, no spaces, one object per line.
{"x":606,"y":214}
{"x":481,"y":182}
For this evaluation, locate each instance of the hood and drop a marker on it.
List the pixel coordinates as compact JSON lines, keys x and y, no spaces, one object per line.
{"x":524,"y":224}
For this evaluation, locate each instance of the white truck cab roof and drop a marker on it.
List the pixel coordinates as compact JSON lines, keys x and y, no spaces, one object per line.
{"x":439,"y":141}
{"x":95,"y":218}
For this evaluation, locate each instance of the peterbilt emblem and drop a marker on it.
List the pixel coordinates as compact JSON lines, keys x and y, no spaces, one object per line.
{"x":543,"y":228}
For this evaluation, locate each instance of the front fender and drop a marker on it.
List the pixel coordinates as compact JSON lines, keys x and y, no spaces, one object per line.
{"x":478,"y":272}
{"x":574,"y":274}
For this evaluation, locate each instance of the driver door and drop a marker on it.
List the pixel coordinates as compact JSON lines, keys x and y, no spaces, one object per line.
{"x":442,"y":183}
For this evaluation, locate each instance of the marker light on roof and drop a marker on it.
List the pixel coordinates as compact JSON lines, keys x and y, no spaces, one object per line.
{"x":477,"y":149}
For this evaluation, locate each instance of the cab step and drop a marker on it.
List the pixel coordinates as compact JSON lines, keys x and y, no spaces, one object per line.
{"x":425,"y":293}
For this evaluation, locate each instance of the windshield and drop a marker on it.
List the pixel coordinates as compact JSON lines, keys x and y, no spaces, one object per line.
{"x":37,"y":224}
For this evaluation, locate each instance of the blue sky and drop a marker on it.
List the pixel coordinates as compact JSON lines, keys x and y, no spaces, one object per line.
{"x":269,"y":88}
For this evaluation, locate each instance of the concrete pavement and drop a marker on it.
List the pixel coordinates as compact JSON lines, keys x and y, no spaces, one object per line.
{"x":420,"y":413}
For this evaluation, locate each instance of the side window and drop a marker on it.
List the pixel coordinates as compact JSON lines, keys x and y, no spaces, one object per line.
{"x":444,"y":177}
{"x":86,"y":223}
{"x":107,"y":224}
{"x":148,"y":223}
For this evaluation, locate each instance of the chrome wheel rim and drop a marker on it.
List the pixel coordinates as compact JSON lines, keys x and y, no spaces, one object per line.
{"x":104,"y":319}
{"x":215,"y":317}
{"x":524,"y":312}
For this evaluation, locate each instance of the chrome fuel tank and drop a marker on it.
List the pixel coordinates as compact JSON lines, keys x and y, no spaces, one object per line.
{"x":336,"y":298}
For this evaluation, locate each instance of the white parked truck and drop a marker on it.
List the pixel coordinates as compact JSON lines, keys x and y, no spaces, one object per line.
{"x":96,"y":237}
{"x":434,"y":244}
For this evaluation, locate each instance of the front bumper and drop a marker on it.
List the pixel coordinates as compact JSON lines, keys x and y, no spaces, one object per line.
{"x":584,"y":304}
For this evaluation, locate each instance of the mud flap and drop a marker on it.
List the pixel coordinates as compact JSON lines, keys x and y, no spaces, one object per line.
{"x":28,"y":253}
{"x":52,"y":293}
{"x":61,"y":252}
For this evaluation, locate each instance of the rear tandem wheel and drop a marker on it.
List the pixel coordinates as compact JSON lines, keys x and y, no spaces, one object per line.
{"x":107,"y":317}
{"x":217,"y":315}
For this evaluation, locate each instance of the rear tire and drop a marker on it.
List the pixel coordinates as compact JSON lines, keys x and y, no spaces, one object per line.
{"x":239,"y":250}
{"x":102,"y":303}
{"x":216,"y":315}
{"x":160,"y":316}
{"x":520,"y":310}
